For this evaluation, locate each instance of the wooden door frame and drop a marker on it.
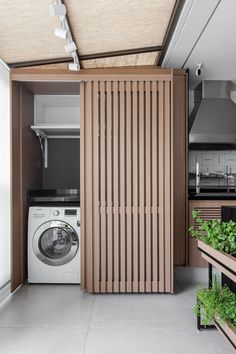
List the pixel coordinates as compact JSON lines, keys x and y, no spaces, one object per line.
{"x":102,"y":74}
{"x":25,"y":157}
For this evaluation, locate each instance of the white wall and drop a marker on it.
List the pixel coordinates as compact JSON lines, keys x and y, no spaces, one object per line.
{"x":4,"y":176}
{"x":57,"y":109}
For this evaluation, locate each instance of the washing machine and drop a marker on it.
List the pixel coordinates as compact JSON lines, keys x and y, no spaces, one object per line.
{"x":54,"y":244}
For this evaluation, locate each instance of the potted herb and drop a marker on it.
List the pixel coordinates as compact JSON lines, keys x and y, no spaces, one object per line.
{"x":218,"y":304}
{"x":217,"y":242}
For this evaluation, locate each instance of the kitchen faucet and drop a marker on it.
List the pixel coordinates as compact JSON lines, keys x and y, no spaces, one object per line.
{"x":197,"y":178}
{"x":228,"y":175}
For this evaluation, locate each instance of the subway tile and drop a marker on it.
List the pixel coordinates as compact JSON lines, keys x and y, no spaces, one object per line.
{"x":192,"y":168}
{"x":233,"y":169}
{"x":219,"y":168}
{"x":195,"y":156}
{"x":209,"y":168}
{"x":216,"y":159}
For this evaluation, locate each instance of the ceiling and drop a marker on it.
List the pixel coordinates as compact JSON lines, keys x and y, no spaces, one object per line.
{"x":98,"y":26}
{"x":206,"y":34}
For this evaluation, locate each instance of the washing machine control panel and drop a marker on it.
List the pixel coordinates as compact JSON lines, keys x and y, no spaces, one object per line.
{"x":71,"y":212}
{"x":56,"y":212}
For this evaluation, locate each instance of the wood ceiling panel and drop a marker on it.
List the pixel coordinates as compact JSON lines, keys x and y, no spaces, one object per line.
{"x":27,"y":31}
{"x":48,"y":66}
{"x":128,"y":60}
{"x":102,"y":26}
{"x":98,"y":26}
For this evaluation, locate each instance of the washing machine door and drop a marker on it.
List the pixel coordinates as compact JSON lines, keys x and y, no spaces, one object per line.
{"x":55,"y":243}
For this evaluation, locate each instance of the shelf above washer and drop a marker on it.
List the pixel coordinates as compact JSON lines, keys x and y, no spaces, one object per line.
{"x":57,"y":131}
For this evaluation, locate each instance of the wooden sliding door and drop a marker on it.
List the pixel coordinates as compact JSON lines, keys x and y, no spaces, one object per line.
{"x":126,"y":185}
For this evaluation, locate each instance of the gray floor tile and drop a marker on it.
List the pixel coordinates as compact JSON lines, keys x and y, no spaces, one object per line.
{"x":130,"y":341}
{"x":204,"y":342}
{"x":48,"y":306}
{"x":42,"y":340}
{"x":56,"y":319}
{"x":147,"y":310}
{"x":162,"y":340}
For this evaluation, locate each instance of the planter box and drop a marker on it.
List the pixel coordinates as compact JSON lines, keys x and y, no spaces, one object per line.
{"x":228,"y":330}
{"x":224,"y":262}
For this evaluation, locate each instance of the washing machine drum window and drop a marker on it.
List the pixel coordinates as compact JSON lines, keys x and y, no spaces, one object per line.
{"x":55,"y":243}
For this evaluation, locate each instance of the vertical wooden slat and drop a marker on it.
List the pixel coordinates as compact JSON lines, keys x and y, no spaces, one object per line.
{"x":148,"y":184}
{"x":129,"y":185}
{"x":88,"y":128}
{"x":122,"y":190}
{"x":116,"y":285}
{"x":82,"y":186}
{"x":154,"y":188}
{"x":96,"y":183}
{"x":161,"y":150}
{"x":172,"y":182}
{"x":135,"y":189}
{"x":103,"y":187}
{"x":109,"y":191}
{"x":141,"y":189}
{"x":167,"y":187}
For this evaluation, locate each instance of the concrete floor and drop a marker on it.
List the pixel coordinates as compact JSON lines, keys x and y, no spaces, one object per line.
{"x":60,"y":319}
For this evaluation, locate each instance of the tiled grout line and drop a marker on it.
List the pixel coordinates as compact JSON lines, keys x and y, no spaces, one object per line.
{"x":90,"y":317}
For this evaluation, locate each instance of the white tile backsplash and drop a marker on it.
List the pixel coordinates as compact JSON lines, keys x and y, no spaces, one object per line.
{"x":207,"y":158}
{"x":213,"y":162}
{"x":218,"y":168}
{"x":207,"y":168}
{"x":195,"y":156}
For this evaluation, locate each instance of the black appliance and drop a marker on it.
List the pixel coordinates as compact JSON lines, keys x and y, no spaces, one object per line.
{"x":228,"y":213}
{"x":53,"y":196}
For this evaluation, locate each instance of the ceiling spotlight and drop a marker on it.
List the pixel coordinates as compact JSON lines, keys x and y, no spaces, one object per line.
{"x":57,"y":9}
{"x":74,"y":66}
{"x":61,"y":33}
{"x":71,"y":47}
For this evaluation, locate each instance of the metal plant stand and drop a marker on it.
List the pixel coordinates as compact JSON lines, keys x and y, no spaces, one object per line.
{"x":199,"y":324}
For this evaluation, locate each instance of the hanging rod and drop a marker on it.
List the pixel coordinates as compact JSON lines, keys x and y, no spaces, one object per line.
{"x":43,"y":136}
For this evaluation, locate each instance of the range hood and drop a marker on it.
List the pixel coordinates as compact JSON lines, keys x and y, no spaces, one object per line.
{"x":213,"y":119}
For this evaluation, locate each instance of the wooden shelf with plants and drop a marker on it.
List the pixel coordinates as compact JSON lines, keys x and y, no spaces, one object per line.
{"x":216,"y":308}
{"x":228,"y":330}
{"x":223,"y":262}
{"x":216,"y":305}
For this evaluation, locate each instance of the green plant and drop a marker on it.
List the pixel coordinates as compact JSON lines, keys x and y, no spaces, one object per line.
{"x":216,"y":233}
{"x":216,"y":302}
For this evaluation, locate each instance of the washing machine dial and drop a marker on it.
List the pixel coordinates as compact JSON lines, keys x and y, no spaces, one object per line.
{"x":55,"y":212}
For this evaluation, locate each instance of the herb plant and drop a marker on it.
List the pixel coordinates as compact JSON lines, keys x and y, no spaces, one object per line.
{"x":218,"y":234}
{"x":216,"y":303}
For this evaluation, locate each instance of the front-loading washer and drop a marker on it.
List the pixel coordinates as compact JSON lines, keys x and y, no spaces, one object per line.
{"x":54,"y":244}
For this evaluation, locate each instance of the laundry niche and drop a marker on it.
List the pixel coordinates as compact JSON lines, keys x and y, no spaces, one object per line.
{"x":57,"y":126}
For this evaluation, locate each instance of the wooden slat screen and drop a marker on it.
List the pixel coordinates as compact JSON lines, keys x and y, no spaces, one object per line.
{"x":208,"y":213}
{"x":126,"y":186}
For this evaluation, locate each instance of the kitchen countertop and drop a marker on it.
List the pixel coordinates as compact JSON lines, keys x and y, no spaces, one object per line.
{"x":212,"y":193}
